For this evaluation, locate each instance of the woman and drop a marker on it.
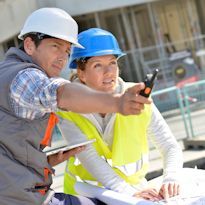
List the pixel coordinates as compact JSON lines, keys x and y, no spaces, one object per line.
{"x":118,"y":160}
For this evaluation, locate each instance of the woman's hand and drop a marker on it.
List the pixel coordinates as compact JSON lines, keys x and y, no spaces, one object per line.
{"x":55,"y":159}
{"x":148,"y":194}
{"x":169,"y":189}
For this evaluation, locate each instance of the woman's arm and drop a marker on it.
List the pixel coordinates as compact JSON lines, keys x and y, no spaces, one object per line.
{"x":165,"y":141}
{"x":102,"y":171}
{"x":171,"y":153}
{"x":98,"y":167}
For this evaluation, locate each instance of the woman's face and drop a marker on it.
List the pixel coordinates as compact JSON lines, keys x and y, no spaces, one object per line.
{"x":100,"y":73}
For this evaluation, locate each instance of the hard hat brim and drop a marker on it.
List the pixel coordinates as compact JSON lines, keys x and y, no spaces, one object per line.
{"x":72,"y":41}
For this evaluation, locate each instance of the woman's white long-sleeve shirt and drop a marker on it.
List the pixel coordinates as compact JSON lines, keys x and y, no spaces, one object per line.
{"x":158,"y":131}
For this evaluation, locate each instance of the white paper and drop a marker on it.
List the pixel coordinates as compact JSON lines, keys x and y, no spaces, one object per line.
{"x":192,"y":183}
{"x":107,"y":196}
{"x":192,"y":191}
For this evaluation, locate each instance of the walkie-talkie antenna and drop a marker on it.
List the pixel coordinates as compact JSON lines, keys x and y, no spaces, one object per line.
{"x":149,"y":82}
{"x":154,"y":74}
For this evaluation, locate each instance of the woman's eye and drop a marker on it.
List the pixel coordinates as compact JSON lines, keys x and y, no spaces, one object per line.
{"x":113,"y":63}
{"x":97,"y":66}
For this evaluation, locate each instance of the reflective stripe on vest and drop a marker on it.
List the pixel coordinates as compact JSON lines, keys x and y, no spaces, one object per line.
{"x":129,"y":145}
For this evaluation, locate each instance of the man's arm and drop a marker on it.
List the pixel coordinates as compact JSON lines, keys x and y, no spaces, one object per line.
{"x":80,"y":98}
{"x":34,"y":94}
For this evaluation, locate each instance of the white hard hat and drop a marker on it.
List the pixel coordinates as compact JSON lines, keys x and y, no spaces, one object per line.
{"x":54,"y":22}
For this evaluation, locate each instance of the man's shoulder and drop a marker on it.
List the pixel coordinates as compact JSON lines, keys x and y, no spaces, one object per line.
{"x":33,"y":70}
{"x":31,"y":73}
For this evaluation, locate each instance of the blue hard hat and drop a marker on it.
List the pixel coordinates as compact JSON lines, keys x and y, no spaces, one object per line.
{"x":96,"y":42}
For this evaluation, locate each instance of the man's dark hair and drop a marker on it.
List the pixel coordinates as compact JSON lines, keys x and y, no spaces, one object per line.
{"x":36,"y":38}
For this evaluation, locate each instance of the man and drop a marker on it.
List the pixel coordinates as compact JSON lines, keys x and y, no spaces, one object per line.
{"x":30,"y":91}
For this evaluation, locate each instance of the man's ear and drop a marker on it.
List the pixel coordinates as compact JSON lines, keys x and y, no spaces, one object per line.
{"x":29,"y":46}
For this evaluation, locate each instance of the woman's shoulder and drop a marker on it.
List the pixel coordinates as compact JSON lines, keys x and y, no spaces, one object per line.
{"x":124,"y":85}
{"x":129,"y":84}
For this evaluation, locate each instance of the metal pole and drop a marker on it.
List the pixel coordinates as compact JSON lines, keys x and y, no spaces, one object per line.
{"x":137,"y":35}
{"x":158,"y":38}
{"x":182,"y":110}
{"x":97,"y":20}
{"x":195,"y":28}
{"x":131,"y":45}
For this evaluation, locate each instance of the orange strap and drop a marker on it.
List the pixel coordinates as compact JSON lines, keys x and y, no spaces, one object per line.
{"x":52,"y":121}
{"x":43,"y":191}
{"x":46,"y":173}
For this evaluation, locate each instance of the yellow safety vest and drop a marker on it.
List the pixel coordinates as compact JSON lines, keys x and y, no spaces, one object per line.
{"x":129,"y":145}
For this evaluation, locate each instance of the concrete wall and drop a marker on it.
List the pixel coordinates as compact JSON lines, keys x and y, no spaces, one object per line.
{"x":78,"y":7}
{"x":12,"y":16}
{"x":14,"y":12}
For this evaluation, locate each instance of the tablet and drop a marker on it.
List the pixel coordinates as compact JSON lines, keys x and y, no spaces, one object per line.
{"x":69,"y":147}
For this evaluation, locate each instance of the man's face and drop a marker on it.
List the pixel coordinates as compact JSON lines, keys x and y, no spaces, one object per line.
{"x":51,"y":55}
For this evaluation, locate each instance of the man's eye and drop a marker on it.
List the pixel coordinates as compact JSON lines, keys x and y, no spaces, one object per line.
{"x":55,"y":46}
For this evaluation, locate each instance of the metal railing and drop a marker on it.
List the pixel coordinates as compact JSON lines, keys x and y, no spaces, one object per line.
{"x":169,"y":101}
{"x":194,"y":100}
{"x":186,"y":104}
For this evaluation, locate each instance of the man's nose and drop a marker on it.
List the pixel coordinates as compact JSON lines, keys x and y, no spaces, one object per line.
{"x":63,"y":57}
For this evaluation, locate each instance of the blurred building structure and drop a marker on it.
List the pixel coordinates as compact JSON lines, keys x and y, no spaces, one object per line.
{"x":164,"y":34}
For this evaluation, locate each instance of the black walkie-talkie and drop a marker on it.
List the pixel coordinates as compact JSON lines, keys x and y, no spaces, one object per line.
{"x":149,"y":82}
